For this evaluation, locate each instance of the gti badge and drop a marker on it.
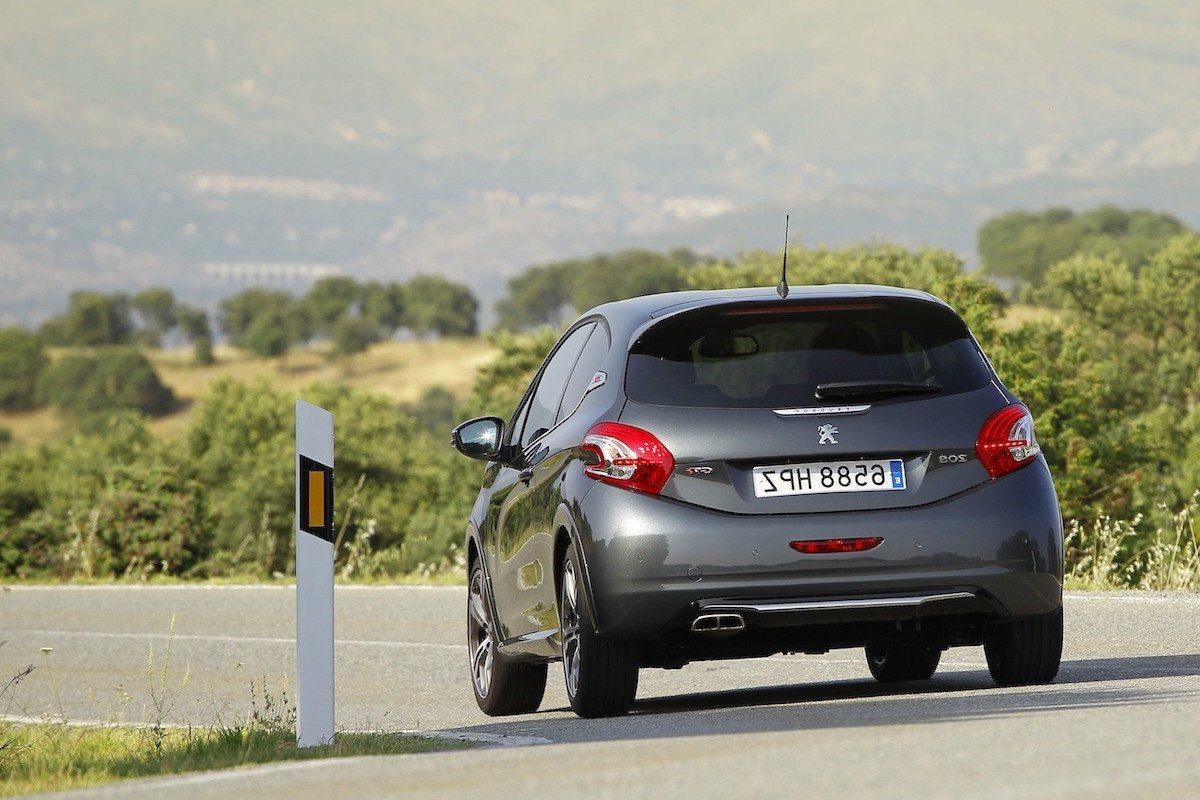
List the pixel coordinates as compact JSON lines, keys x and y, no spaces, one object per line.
{"x":700,"y":470}
{"x":827,"y":432}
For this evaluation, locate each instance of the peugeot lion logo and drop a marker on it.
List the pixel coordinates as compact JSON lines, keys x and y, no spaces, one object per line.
{"x":827,"y":432}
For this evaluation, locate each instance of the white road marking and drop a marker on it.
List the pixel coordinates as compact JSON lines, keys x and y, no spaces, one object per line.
{"x":213,"y":638}
{"x":1174,"y":598}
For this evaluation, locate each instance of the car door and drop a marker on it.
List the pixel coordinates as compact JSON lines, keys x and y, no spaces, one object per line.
{"x":521,"y":567}
{"x":549,"y":456}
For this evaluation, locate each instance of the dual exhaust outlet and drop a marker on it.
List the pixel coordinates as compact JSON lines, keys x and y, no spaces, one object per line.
{"x":722,"y":624}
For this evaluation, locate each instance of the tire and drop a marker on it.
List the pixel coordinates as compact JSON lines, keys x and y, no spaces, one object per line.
{"x":501,"y":686}
{"x":1026,"y":651}
{"x":601,"y":675}
{"x":893,"y":663}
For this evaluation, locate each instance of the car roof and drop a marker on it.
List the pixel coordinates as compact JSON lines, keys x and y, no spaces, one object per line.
{"x":656,"y":305}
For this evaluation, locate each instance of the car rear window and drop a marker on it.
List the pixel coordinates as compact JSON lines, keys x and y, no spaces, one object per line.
{"x":775,"y":356}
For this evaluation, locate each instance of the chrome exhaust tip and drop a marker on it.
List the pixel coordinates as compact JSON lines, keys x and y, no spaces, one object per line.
{"x":718,"y":624}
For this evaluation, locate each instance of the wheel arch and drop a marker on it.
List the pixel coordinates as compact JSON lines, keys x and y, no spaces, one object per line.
{"x":566,"y":532}
{"x":475,"y":553}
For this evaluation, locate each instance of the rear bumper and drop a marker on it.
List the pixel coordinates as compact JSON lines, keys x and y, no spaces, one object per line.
{"x":654,"y":564}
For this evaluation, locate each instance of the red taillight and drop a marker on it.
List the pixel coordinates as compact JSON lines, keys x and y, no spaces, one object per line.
{"x":1006,"y":441}
{"x":856,"y":545}
{"x":627,"y":456}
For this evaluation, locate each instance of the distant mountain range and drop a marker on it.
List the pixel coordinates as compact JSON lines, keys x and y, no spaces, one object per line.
{"x":140,"y":141}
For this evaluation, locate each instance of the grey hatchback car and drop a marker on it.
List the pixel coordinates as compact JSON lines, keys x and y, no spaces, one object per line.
{"x":725,"y":474}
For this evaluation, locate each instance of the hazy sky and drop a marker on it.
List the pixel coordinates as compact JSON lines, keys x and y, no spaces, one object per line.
{"x":141,"y":140}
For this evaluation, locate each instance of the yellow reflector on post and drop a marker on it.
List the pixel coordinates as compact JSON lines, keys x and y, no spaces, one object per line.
{"x":316,"y":498}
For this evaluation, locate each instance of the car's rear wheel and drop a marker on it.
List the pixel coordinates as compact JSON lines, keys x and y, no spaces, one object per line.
{"x":1026,"y":651}
{"x":502,"y":686}
{"x":892,"y":663}
{"x":601,"y":675}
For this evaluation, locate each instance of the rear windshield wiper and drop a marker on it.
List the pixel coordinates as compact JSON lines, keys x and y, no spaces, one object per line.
{"x":874,"y":389}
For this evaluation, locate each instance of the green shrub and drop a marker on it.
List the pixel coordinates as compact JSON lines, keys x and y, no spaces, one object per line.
{"x":239,"y":443}
{"x":435,"y":412}
{"x":111,"y":378}
{"x":22,"y":361}
{"x":109,"y":501}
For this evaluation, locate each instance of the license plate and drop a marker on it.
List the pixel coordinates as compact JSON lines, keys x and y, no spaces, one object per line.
{"x":828,"y":477}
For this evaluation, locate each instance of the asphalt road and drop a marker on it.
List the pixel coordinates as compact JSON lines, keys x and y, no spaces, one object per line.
{"x":1123,"y":719}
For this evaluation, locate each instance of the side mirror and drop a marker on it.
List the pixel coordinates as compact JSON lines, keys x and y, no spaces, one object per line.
{"x":479,"y":438}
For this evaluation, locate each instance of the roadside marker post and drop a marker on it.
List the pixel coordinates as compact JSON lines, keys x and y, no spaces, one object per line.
{"x":314,"y":574}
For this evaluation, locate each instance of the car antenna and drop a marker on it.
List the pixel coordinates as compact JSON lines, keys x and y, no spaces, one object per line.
{"x":782,"y":288}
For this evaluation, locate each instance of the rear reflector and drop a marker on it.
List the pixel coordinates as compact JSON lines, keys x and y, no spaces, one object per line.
{"x":857,"y":545}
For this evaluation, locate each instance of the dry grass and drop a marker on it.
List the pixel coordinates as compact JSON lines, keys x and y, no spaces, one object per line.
{"x":1117,"y":554}
{"x":402,"y":371}
{"x":1018,"y":314}
{"x":34,"y":427}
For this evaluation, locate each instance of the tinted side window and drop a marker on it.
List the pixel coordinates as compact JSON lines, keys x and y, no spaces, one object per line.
{"x":543,"y":406}
{"x":589,"y":361}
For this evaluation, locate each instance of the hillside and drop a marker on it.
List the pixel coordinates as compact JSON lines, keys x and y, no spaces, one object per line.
{"x":401,"y":371}
{"x":159,"y":143}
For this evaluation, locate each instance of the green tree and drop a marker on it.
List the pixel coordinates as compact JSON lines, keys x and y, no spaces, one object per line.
{"x":329,"y":300}
{"x":268,"y":335}
{"x":352,"y":335}
{"x":1021,"y":246}
{"x":193,"y":322}
{"x":157,"y":309}
{"x":435,"y":305}
{"x":91,"y":318}
{"x":554,"y":294}
{"x":21,"y":363}
{"x":383,"y":305}
{"x":237,"y":314}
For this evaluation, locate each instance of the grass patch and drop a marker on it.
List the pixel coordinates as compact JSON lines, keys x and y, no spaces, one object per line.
{"x":40,"y":757}
{"x":54,"y":755}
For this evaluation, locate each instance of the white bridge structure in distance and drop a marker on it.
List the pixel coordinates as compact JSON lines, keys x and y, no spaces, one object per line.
{"x":269,"y":273}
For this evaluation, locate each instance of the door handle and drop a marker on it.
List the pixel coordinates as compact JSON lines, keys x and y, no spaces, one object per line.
{"x":525,"y":476}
